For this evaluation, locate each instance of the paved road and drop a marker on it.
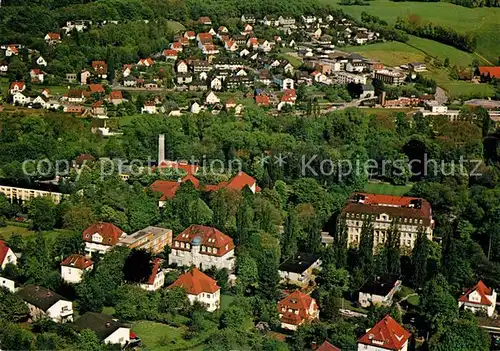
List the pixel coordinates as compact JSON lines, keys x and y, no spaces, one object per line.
{"x":441,"y":96}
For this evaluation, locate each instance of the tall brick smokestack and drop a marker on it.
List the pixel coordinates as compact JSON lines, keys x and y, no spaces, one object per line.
{"x":161,"y":148}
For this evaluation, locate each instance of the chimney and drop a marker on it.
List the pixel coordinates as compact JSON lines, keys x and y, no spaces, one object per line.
{"x":161,"y":148}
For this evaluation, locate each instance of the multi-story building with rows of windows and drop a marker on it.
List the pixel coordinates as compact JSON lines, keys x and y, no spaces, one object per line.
{"x":408,"y":214}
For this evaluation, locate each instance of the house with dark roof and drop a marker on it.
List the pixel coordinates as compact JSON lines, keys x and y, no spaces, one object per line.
{"x":107,"y":329}
{"x":479,"y":298}
{"x":299,"y":269}
{"x":45,"y":303}
{"x":379,"y":290}
{"x":203,"y":247}
{"x":73,"y":267}
{"x":296,"y":309}
{"x":409,"y":214}
{"x":385,"y":335}
{"x":199,"y":287}
{"x":101,"y":237}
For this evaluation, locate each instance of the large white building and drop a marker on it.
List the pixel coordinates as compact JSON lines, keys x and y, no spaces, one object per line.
{"x":199,"y":287}
{"x":203,"y":247}
{"x":107,"y":329}
{"x":387,"y":334}
{"x":44,"y":303}
{"x":101,"y":237}
{"x":408,"y":214}
{"x":73,"y":267}
{"x":479,"y":298}
{"x":25,"y":194}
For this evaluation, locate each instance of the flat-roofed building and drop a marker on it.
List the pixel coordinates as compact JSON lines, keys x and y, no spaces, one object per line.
{"x":390,"y":76}
{"x":151,"y":238}
{"x":26,"y":194}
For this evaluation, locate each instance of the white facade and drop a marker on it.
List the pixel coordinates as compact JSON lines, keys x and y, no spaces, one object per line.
{"x":157,"y":284}
{"x":8,"y":284}
{"x":363,"y":347}
{"x":10,"y":257}
{"x":212,"y":98}
{"x":41,"y":61}
{"x":346,"y":78}
{"x":197,"y":258}
{"x":120,"y":336}
{"x":216,"y":84}
{"x":477,"y":307}
{"x":182,"y":67}
{"x":211,"y":301}
{"x":25,"y":194}
{"x":61,"y":311}
{"x":73,"y":275}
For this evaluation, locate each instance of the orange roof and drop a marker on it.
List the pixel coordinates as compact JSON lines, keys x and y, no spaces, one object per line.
{"x":96,"y":88}
{"x":97,"y":103}
{"x":189,"y":169}
{"x":19,"y":85}
{"x":110,"y":233}
{"x":149,"y":61}
{"x":154,"y":271}
{"x":326,"y":346}
{"x":253,"y":41}
{"x":115,"y":95}
{"x":492,"y":71}
{"x":262,"y":100}
{"x":100,"y":66}
{"x":296,"y":301}
{"x":177,"y":45}
{"x":204,"y":36}
{"x":387,"y":334}
{"x":241,"y":180}
{"x":77,"y":261}
{"x":209,"y":237}
{"x":168,"y":188}
{"x":196,"y":282}
{"x":169,"y":52}
{"x":482,"y":290}
{"x":190,"y":34}
{"x":205,"y":19}
{"x":54,"y":36}
{"x":13,"y":49}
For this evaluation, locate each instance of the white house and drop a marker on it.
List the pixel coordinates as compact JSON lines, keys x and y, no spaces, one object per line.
{"x":212,"y":98}
{"x":182,"y":67}
{"x":8,"y":284}
{"x":244,"y":53}
{"x":479,"y":298}
{"x":299,"y":269}
{"x":156,"y":279}
{"x":379,"y":291}
{"x":199,"y":287}
{"x":73,"y":267}
{"x":11,"y":50}
{"x":203,"y":247}
{"x":107,"y":329}
{"x":4,"y":67}
{"x":149,"y":107}
{"x":216,"y":84}
{"x":43,"y":302}
{"x":387,"y":334}
{"x":19,"y":99}
{"x":101,"y":237}
{"x":6,"y":255}
{"x":195,"y":108}
{"x":16,"y":87}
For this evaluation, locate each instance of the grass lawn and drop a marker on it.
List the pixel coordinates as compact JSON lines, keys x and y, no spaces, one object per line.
{"x":404,"y":292}
{"x":483,"y":22}
{"x":387,"y":189}
{"x":294,"y":60}
{"x":176,"y":26}
{"x":162,"y":337}
{"x":7,"y":231}
{"x":225,"y":301}
{"x":351,"y":306}
{"x":385,"y":112}
{"x":456,"y":88}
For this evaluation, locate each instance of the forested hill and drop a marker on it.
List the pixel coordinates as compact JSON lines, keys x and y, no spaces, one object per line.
{"x":22,"y":20}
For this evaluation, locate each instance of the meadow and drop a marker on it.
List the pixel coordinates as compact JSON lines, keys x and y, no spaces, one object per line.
{"x":386,"y":188}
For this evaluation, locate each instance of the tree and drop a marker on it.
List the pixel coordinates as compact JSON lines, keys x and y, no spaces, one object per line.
{"x":365,"y":250}
{"x":290,"y":235}
{"x":14,"y":337}
{"x":438,"y":306}
{"x":236,"y":318}
{"x":41,"y":211}
{"x":88,"y":340}
{"x":392,"y":250}
{"x":268,"y":273}
{"x":138,"y":266}
{"x":419,"y":259}
{"x":461,"y":335}
{"x":340,"y":244}
{"x":12,"y":307}
{"x":244,"y":221}
{"x":446,"y":62}
{"x":134,"y":303}
{"x":49,"y":341}
{"x":247,"y":271}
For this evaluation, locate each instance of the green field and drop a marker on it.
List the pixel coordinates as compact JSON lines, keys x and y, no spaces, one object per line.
{"x":482,"y":22}
{"x":176,"y":26}
{"x":387,"y":189}
{"x":162,"y":337}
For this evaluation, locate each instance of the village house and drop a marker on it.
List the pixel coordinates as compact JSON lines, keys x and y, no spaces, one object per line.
{"x":147,"y":62}
{"x":115,"y":97}
{"x":96,"y":89}
{"x":16,"y":87}
{"x":40,"y":100}
{"x":100,"y":69}
{"x":368,"y":91}
{"x":199,"y":287}
{"x":101,"y":237}
{"x":152,"y":239}
{"x":184,"y":78}
{"x":417,"y":66}
{"x":8,"y":284}
{"x":190,"y":35}
{"x":149,"y":107}
{"x":211,"y":98}
{"x":299,"y":269}
{"x":84,"y":76}
{"x":195,"y":108}
{"x":98,"y":109}
{"x":11,"y":51}
{"x":297,"y":309}
{"x":45,"y":303}
{"x":182,"y":67}
{"x":203,"y":247}
{"x":479,"y":298}
{"x":129,"y":82}
{"x":177,"y":46}
{"x":52,"y":38}
{"x":409,"y":213}
{"x":73,"y":267}
{"x":235,"y":82}
{"x":170,"y":54}
{"x":4,"y":67}
{"x":20,"y":99}
{"x":7,"y":256}
{"x":271,"y":21}
{"x":248,"y":18}
{"x":216,"y":84}
{"x":107,"y":329}
{"x":36,"y":75}
{"x":346,"y":78}
{"x":286,"y":20}
{"x":325,"y":346}
{"x":387,"y":334}
{"x":379,"y":291}
{"x":157,"y":278}
{"x":230,"y":46}
{"x":205,"y":21}
{"x":283,"y":82}
{"x":262,"y":100}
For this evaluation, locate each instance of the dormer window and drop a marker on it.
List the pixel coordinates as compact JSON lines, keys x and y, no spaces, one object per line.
{"x":176,"y":244}
{"x":215,"y":250}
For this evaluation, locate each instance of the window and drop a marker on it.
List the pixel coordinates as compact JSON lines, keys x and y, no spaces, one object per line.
{"x":215,"y":250}
{"x":176,"y":244}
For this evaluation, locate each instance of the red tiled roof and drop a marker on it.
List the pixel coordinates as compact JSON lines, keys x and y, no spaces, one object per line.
{"x":168,"y":188}
{"x":262,"y":100}
{"x":205,"y":19}
{"x":240,"y":181}
{"x":177,"y":45}
{"x":170,"y":52}
{"x":387,"y":334}
{"x":149,"y":61}
{"x":96,"y":88}
{"x":204,"y":36}
{"x":482,"y":290}
{"x":20,"y":85}
{"x":129,"y":66}
{"x":4,"y":249}
{"x":13,"y":49}
{"x":210,"y":237}
{"x":99,"y":66}
{"x":296,"y":301}
{"x":189,"y":169}
{"x":111,"y":234}
{"x":326,"y":346}
{"x":492,"y":71}
{"x":190,"y":34}
{"x":77,"y":261}
{"x":154,"y":271}
{"x":54,"y":36}
{"x":97,"y":103}
{"x":115,"y":95}
{"x":196,"y":282}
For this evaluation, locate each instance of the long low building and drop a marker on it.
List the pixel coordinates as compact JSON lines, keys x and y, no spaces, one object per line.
{"x":26,"y":194}
{"x":151,"y":238}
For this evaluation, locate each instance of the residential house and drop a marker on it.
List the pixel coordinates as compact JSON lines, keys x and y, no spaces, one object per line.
{"x":286,"y":20}
{"x":479,"y":298}
{"x":7,"y":256}
{"x":203,"y":39}
{"x":107,"y":329}
{"x":184,"y":78}
{"x":147,"y":62}
{"x":4,"y":67}
{"x":101,"y":237}
{"x":45,"y":303}
{"x":195,"y":108}
{"x":247,"y":28}
{"x":170,"y":54}
{"x":231,"y":46}
{"x":209,"y":49}
{"x":253,"y":43}
{"x":177,"y":46}
{"x":299,"y":269}
{"x":41,"y":101}
{"x":346,"y":78}
{"x":96,"y":89}
{"x":379,"y":291}
{"x":297,"y":309}
{"x":283,"y":82}
{"x":248,"y":18}
{"x":230,"y":103}
{"x":73,"y":267}
{"x":326,"y":346}
{"x":156,"y":280}
{"x":262,"y":100}
{"x":368,"y":91}
{"x":216,"y":84}
{"x":149,"y":107}
{"x":203,"y":247}
{"x":387,"y":334}
{"x":264,"y":45}
{"x":71,"y":77}
{"x":36,"y":75}
{"x":98,"y":109}
{"x":8,"y":284}
{"x":16,"y":87}
{"x":75,"y":96}
{"x":488,"y":72}
{"x":115,"y":97}
{"x":129,"y":82}
{"x":190,"y":35}
{"x":361,"y":38}
{"x":288,"y":68}
{"x":100,"y":69}
{"x":182,"y":67}
{"x":152,"y":239}
{"x":271,"y":21}
{"x":11,"y":51}
{"x":235,"y":82}
{"x":40,"y":61}
{"x":410,"y":213}
{"x":52,"y":38}
{"x":308,"y":19}
{"x":20,"y":99}
{"x":211,"y":98}
{"x":84,"y":76}
{"x":244,"y":53}
{"x":205,"y":21}
{"x":199,"y":287}
{"x":417,"y":66}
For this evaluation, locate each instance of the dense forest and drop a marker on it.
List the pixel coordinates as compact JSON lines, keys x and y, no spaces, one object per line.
{"x":466,"y":3}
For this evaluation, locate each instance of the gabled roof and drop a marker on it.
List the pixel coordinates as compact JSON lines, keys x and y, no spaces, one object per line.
{"x":54,"y":36}
{"x":4,"y":249}
{"x":387,"y":334}
{"x":96,"y":88}
{"x":110,"y":233}
{"x":170,"y":52}
{"x":189,"y":169}
{"x":102,"y":324}
{"x":19,"y":85}
{"x":262,"y":100}
{"x":115,"y":95}
{"x":326,"y":346}
{"x":196,"y":282}
{"x":296,"y":301}
{"x":39,"y":296}
{"x":77,"y":261}
{"x":168,"y":188}
{"x":154,"y":271}
{"x":208,"y":237}
{"x":13,"y":49}
{"x":491,"y":71}
{"x":483,"y":292}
